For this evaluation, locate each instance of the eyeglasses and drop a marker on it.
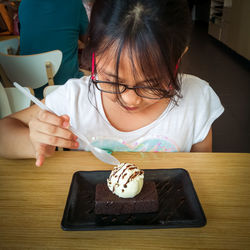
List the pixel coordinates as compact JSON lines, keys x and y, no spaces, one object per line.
{"x":119,"y":88}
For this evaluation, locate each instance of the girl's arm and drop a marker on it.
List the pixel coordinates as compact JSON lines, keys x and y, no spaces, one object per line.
{"x":34,"y":133}
{"x":205,"y":145}
{"x":14,"y":133}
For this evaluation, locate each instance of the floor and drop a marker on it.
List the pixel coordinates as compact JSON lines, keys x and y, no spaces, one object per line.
{"x":229,"y":76}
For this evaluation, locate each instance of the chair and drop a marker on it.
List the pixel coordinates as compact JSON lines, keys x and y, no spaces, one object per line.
{"x":12,"y":100}
{"x":31,"y":70}
{"x":17,"y":100}
{"x":10,"y":46}
{"x":5,"y":109}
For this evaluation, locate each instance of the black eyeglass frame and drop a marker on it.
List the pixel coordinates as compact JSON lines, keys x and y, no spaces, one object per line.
{"x":126,"y":87}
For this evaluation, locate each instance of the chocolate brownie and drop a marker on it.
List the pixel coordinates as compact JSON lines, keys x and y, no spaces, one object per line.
{"x":108,"y":203}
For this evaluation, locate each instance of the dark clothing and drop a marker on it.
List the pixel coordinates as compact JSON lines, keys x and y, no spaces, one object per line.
{"x":53,"y":24}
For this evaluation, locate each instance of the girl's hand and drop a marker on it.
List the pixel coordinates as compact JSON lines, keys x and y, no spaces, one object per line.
{"x":48,"y":131}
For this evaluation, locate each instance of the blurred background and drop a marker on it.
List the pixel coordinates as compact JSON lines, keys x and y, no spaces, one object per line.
{"x":219,"y":53}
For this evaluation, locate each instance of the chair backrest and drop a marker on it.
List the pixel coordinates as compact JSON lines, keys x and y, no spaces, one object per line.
{"x":30,"y":70}
{"x":12,"y":100}
{"x":4,"y":103}
{"x":17,"y":100}
{"x":9,"y":46}
{"x":47,"y":90}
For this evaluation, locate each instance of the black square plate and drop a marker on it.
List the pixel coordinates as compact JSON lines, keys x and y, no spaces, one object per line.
{"x":179,"y":205}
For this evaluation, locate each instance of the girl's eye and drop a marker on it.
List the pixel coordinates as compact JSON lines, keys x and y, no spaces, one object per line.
{"x":107,"y":79}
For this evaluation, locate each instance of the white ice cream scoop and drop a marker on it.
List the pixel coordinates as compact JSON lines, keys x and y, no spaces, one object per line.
{"x":126,"y":180}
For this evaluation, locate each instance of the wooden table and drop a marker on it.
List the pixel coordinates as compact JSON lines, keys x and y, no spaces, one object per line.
{"x":7,"y":37}
{"x":32,"y":202}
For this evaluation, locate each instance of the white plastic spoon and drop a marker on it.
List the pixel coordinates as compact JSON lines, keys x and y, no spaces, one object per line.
{"x":99,"y":153}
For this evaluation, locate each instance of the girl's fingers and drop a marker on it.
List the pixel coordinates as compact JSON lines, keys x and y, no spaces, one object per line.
{"x":54,"y":140}
{"x":40,"y":160}
{"x":50,"y":129}
{"x":66,"y":118}
{"x":48,"y":117}
{"x":43,"y":151}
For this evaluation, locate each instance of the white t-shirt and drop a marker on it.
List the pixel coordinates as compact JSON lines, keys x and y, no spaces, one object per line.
{"x":176,"y":129}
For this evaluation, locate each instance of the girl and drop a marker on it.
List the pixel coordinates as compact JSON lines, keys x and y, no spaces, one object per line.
{"x":134,"y":100}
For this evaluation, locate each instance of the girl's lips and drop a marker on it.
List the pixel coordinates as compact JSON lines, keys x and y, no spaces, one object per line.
{"x":131,"y":108}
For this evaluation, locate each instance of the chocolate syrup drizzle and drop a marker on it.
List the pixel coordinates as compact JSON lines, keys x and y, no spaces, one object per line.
{"x":123,"y":174}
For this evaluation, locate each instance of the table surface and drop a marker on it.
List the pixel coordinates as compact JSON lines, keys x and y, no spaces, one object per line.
{"x":7,"y":37}
{"x":32,"y":202}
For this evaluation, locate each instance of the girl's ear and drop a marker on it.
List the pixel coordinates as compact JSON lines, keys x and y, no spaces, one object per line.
{"x":185,"y":51}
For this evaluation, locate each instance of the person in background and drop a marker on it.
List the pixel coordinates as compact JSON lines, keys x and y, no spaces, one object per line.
{"x":49,"y":25}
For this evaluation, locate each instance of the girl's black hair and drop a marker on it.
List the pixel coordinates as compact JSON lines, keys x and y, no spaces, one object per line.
{"x":155,"y":32}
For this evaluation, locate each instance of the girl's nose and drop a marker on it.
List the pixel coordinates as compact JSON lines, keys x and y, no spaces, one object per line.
{"x":130,"y":98}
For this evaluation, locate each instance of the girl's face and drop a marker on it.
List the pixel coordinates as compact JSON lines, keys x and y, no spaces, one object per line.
{"x":132,"y":102}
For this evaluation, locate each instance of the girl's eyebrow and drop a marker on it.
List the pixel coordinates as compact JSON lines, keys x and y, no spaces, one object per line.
{"x":112,"y":75}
